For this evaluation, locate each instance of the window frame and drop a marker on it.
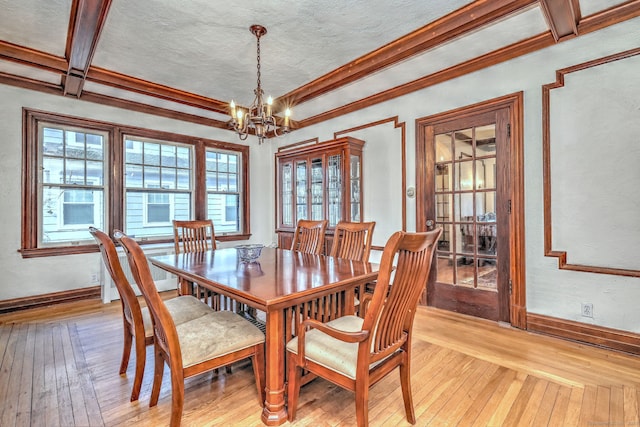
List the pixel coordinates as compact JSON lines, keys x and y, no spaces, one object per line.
{"x":114,"y":179}
{"x":237,"y":193}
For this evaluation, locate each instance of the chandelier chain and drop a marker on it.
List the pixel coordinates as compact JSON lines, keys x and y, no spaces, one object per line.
{"x":259,"y":89}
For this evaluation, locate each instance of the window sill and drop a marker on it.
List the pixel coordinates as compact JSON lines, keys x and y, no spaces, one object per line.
{"x":85,"y":249}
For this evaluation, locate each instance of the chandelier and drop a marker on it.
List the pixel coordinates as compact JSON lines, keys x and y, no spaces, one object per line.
{"x":258,"y":118}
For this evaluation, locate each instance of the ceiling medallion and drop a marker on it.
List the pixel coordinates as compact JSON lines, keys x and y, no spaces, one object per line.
{"x":258,"y":119}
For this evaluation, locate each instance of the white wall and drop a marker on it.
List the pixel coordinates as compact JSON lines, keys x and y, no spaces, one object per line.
{"x":35,"y":276}
{"x":550,"y":291}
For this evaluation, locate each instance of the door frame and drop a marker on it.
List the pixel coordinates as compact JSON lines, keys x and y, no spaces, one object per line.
{"x":514,"y":102}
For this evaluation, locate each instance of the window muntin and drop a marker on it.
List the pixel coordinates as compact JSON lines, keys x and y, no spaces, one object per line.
{"x":158,"y":186}
{"x":71,"y":183}
{"x":223,"y":190}
{"x":46,"y":189}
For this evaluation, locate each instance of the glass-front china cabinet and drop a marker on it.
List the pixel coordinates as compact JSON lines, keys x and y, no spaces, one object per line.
{"x":316,"y":182}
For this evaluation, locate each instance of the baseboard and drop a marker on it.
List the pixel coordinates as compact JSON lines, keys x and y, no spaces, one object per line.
{"x":24,"y":303}
{"x":600,"y":336}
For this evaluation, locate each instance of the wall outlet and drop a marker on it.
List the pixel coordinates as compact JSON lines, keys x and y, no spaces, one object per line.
{"x":587,"y":310}
{"x":95,"y":277}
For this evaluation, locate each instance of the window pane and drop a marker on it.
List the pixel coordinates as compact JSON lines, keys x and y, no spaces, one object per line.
{"x":78,"y":213}
{"x":158,"y":213}
{"x":168,"y":178}
{"x":94,"y":173}
{"x":133,"y":151}
{"x":224,"y":211}
{"x":151,"y":177}
{"x":74,"y":145}
{"x":184,"y":179}
{"x":74,"y":173}
{"x":183,"y":157}
{"x":151,"y":154}
{"x":168,"y":155}
{"x":95,"y":147}
{"x":52,"y":170}
{"x":66,"y":213}
{"x":52,"y":140}
{"x":133,"y":178}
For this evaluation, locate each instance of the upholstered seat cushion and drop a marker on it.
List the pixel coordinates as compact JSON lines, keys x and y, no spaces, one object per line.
{"x":216,"y":334}
{"x":182,"y":309}
{"x":330,"y":352}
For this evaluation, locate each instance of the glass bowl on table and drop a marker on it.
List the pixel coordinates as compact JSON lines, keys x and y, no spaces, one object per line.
{"x":249,"y":253}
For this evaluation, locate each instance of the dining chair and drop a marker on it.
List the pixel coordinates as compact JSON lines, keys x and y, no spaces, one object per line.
{"x":136,"y":319}
{"x":352,"y":240}
{"x":193,"y":235}
{"x":309,"y":236}
{"x":356,"y":352}
{"x":203,"y":344}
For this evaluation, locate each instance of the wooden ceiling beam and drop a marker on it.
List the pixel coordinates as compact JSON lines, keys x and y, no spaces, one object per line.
{"x":469,"y":18}
{"x":144,"y":87}
{"x":595,"y":22}
{"x":34,"y":58}
{"x":561,"y":18}
{"x":85,"y":25}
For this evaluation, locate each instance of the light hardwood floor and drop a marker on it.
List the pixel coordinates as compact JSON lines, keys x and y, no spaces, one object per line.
{"x":59,"y":367}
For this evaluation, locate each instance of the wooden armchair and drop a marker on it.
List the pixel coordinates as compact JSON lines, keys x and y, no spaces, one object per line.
{"x":309,"y":236}
{"x":355,"y":352}
{"x":136,"y":319}
{"x":204,"y":344}
{"x":352,"y":240}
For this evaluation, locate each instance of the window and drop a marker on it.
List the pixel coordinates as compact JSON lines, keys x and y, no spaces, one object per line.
{"x":72,"y":187}
{"x":223,"y":190}
{"x":77,"y":174}
{"x":158,"y":186}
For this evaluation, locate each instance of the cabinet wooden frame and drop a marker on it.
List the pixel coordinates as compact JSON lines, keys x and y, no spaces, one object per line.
{"x":345,"y":147}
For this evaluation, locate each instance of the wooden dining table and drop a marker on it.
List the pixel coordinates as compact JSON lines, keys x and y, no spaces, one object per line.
{"x":287,"y":286}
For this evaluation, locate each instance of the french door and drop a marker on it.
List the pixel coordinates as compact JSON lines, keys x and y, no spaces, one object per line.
{"x":464,"y":189}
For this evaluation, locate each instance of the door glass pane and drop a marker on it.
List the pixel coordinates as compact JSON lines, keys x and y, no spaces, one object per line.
{"x":486,"y":140}
{"x":443,"y":147}
{"x":463,"y":143}
{"x":464,"y":175}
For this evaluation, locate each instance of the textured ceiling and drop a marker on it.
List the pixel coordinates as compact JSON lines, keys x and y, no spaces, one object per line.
{"x":204,"y":47}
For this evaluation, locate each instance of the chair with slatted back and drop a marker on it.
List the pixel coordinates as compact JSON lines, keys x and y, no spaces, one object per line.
{"x":201,"y":345}
{"x":136,"y":319}
{"x":356,"y":352}
{"x":352,"y":240}
{"x":193,"y":235}
{"x":309,"y":236}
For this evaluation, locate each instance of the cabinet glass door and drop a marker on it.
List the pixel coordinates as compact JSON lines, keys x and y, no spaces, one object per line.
{"x":317,"y":189}
{"x":287,"y":194}
{"x":355,"y":188}
{"x":302,"y":211}
{"x":334,"y":189}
